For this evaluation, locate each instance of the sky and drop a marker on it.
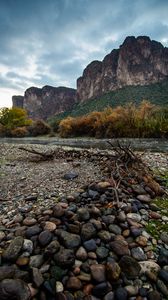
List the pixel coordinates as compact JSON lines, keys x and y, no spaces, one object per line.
{"x":50,"y":42}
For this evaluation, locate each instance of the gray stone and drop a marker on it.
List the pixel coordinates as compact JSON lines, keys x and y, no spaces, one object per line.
{"x":28,"y":246}
{"x":14,"y":248}
{"x":45,"y":237}
{"x":10,"y":288}
{"x":37,"y":277}
{"x":115,"y":229}
{"x":83,"y":214}
{"x":64,"y":258}
{"x":102,"y":252}
{"x":130,"y":267}
{"x":90,"y":245}
{"x":69,"y":240}
{"x":36,"y":261}
{"x":138,"y":254}
{"x":88,"y":231}
{"x":33,"y":230}
{"x":164,"y":237}
{"x":120,"y":247}
{"x":81,"y":254}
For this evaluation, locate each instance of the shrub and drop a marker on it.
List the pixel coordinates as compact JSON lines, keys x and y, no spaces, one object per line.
{"x":2,"y":130}
{"x":19,"y":132}
{"x":39,"y":127}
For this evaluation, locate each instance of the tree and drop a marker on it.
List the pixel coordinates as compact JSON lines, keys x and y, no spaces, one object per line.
{"x":15,"y":117}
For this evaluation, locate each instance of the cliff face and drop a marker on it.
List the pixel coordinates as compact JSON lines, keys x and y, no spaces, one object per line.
{"x":46,"y":102}
{"x":17,"y":101}
{"x":138,"y":61}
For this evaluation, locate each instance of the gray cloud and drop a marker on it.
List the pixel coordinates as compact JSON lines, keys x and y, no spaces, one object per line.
{"x":50,"y":42}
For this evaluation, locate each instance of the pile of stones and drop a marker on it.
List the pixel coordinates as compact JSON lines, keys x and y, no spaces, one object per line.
{"x":86,"y":247}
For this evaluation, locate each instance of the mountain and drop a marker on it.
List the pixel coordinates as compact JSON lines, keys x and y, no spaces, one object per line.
{"x":156,"y":93}
{"x":46,"y":102}
{"x":138,"y":62}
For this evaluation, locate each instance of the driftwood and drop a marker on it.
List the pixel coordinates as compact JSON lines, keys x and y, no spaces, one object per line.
{"x":43,"y":155}
{"x":126,"y":164}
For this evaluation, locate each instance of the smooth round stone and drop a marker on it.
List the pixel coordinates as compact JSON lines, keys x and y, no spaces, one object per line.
{"x":93,"y":194}
{"x":98,"y":272}
{"x":163,"y":274}
{"x":121,"y":294}
{"x":81,"y":254}
{"x":120,"y":247}
{"x":164,"y":237}
{"x":50,"y":226}
{"x":14,"y":248}
{"x":28,"y":246}
{"x":136,"y":231}
{"x":126,"y":233}
{"x":74,"y":283}
{"x":113,"y":271}
{"x":45,"y":237}
{"x":17,"y":287}
{"x":142,"y":240}
{"x":102,"y":252}
{"x":138,"y":189}
{"x":135,"y":217}
{"x":59,"y":287}
{"x":103,"y":185}
{"x":69,"y":240}
{"x":115,"y":229}
{"x":90,"y":245}
{"x":138,"y":254}
{"x":58,"y":211}
{"x":92,"y":255}
{"x":130,"y":267}
{"x":149,"y":266}
{"x":144,"y":198}
{"x":22,"y":261}
{"x":104,"y":235}
{"x":28,"y":221}
{"x":88,"y":231}
{"x":47,"y":212}
{"x":33,"y":230}
{"x":100,"y":290}
{"x":83,"y":214}
{"x":121,"y":216}
{"x":52,"y":248}
{"x":2,"y":235}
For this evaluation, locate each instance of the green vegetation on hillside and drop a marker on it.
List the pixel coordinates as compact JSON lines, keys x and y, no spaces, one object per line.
{"x":155,"y":93}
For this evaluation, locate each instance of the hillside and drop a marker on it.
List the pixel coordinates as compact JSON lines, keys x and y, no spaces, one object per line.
{"x":155,"y":93}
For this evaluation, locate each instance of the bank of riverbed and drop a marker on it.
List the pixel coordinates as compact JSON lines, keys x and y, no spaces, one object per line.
{"x":62,"y":235}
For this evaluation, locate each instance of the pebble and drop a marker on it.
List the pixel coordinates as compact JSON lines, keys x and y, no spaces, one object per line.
{"x":84,"y":247}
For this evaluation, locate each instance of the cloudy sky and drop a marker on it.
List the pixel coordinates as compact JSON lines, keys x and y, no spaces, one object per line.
{"x":49,"y":42}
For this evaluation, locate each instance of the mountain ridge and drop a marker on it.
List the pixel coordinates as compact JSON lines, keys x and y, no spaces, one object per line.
{"x":138,"y":62}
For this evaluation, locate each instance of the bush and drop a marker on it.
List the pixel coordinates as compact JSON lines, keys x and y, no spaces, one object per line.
{"x":2,"y":130}
{"x":19,"y":132}
{"x":39,"y":127}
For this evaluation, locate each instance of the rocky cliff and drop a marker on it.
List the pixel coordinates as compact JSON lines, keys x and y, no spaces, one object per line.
{"x":46,"y":102}
{"x":138,"y":61}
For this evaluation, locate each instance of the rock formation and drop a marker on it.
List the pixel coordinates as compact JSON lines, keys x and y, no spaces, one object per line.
{"x":138,"y":61}
{"x":46,"y":102}
{"x":17,"y":101}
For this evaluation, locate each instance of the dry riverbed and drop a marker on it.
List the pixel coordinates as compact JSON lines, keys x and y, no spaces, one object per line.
{"x":63,"y":237}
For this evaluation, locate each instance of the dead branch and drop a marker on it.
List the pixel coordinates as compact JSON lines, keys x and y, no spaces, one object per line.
{"x":44,"y":155}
